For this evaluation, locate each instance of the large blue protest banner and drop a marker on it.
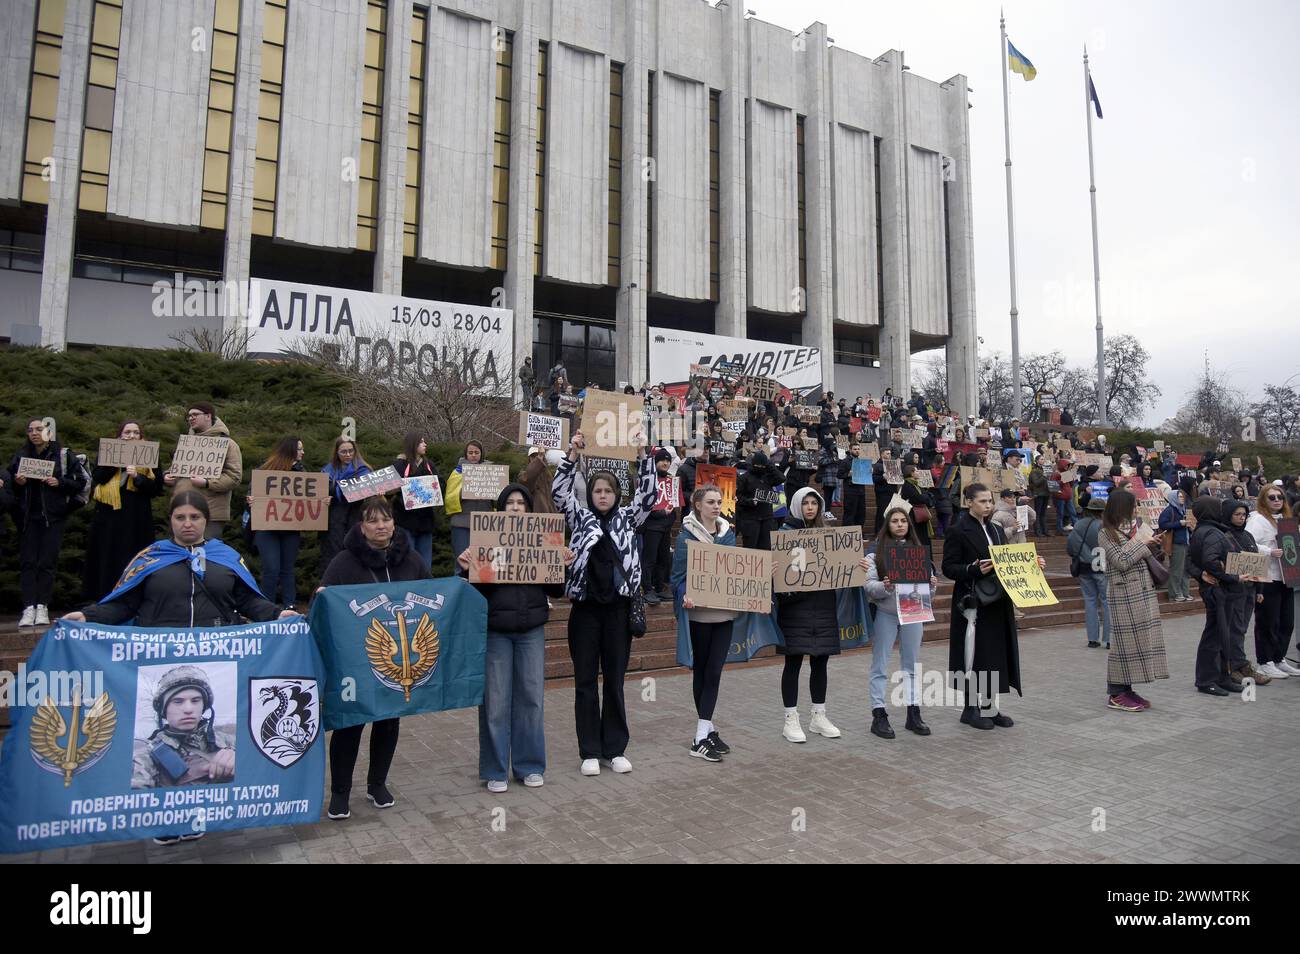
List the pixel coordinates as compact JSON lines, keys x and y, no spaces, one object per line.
{"x":397,"y":648}
{"x":139,"y":732}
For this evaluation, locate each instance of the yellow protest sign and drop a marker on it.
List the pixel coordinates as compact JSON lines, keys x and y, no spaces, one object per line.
{"x":1016,"y":565}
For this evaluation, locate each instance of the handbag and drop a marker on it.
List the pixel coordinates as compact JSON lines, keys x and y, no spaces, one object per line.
{"x":988,"y":589}
{"x":1159,"y":572}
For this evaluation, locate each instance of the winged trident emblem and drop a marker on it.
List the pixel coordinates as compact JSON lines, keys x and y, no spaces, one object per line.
{"x":406,"y":662}
{"x":73,"y":756}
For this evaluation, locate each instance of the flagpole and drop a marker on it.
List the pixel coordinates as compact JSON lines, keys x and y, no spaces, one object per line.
{"x":1011,"y":235}
{"x":1096,"y":258}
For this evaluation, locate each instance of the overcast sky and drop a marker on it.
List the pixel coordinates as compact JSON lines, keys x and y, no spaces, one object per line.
{"x":1198,"y":191}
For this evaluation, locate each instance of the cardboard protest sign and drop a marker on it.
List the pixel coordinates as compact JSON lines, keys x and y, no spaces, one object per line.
{"x":1248,"y":566}
{"x":868,"y":450}
{"x":914,"y":603}
{"x":734,"y":410}
{"x":1064,"y":445}
{"x":611,"y":423}
{"x":483,"y":481}
{"x":805,"y":460}
{"x":420,"y":493}
{"x":1016,"y":565}
{"x":818,"y":558}
{"x":516,"y":548}
{"x":807,"y":414}
{"x":761,"y":389}
{"x":543,"y":430}
{"x":1022,"y":517}
{"x":1288,"y":541}
{"x":725,"y":478}
{"x":1160,"y":447}
{"x":33,"y":468}
{"x":861,"y":473}
{"x":982,"y":433}
{"x":730,"y":578}
{"x":289,"y":500}
{"x":1236,"y":465}
{"x":842,"y":441}
{"x":893,"y":471}
{"x":1068,"y":476}
{"x":902,"y":563}
{"x":810,"y":443}
{"x":619,"y":468}
{"x":198,"y":455}
{"x":924,"y":479}
{"x":911,"y":439}
{"x":115,"y":453}
{"x":371,"y":485}
{"x":568,"y":404}
{"x":1150,"y":503}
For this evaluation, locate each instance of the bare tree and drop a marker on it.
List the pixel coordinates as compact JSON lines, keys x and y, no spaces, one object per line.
{"x":930,"y":379}
{"x":1128,"y":391}
{"x":1212,"y":408}
{"x":1039,"y":374}
{"x":229,"y":343}
{"x":1277,"y":414}
{"x":995,"y":386}
{"x":1077,"y":393}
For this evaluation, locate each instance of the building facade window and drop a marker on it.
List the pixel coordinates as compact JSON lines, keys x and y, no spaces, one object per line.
{"x":501,"y":150}
{"x":539,"y":188}
{"x":221,"y":109}
{"x":615,"y":172}
{"x":651,"y":186}
{"x":803,"y":231}
{"x":372,"y":124}
{"x":274,"y":19}
{"x":21,"y":251}
{"x":715,"y":193}
{"x":101,"y":91}
{"x":414,"y":134}
{"x":43,"y":102}
{"x":855,"y":351}
{"x":880,"y":238}
{"x":585,"y":348}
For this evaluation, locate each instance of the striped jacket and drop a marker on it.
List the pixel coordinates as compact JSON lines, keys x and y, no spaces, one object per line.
{"x":585,"y":532}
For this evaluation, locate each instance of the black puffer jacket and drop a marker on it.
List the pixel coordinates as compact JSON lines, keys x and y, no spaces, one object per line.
{"x":359,"y":562}
{"x":1208,"y":550}
{"x":516,"y":607}
{"x":808,"y":621}
{"x":754,"y":493}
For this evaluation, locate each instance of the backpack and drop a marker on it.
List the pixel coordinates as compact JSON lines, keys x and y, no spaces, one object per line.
{"x":75,"y":464}
{"x":1075,"y":543}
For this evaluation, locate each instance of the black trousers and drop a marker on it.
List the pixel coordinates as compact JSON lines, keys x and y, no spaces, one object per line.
{"x":1040,"y":514}
{"x":855,"y":509}
{"x":710,"y":643}
{"x":1274,"y":622}
{"x":816,"y":679}
{"x":38,"y":555}
{"x":656,"y":555}
{"x":599,"y":641}
{"x":344,"y":745}
{"x":756,"y":533}
{"x":1218,"y":651}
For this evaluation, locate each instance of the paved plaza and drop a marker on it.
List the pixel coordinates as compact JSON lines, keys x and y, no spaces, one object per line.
{"x":1196,"y":779}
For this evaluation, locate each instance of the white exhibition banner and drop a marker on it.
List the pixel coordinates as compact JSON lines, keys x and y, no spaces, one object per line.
{"x":385,"y":334}
{"x":672,"y":352}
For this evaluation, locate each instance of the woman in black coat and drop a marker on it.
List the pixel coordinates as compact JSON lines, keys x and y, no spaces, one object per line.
{"x":982,"y":639}
{"x":810,"y":624}
{"x":123,"y":521}
{"x":373,"y":552}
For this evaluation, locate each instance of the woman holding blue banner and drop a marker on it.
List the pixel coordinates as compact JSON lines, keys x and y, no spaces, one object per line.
{"x":374,"y":553}
{"x":710,"y":629}
{"x":184,"y":581}
{"x":600,"y":584}
{"x":511,"y":733}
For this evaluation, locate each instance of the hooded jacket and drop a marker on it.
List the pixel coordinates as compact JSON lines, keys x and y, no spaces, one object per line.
{"x":1240,"y":539}
{"x":1210,"y":544}
{"x":516,"y":607}
{"x":1171,"y":518}
{"x":217,"y":492}
{"x":755,"y":493}
{"x":809,"y":621}
{"x":359,"y":562}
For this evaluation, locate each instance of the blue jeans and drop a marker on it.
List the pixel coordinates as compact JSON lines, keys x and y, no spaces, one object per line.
{"x":1094,"y":602}
{"x":510,"y":730}
{"x":422,"y":543}
{"x":1065,"y":513}
{"x":883,"y":635}
{"x":279,"y":552}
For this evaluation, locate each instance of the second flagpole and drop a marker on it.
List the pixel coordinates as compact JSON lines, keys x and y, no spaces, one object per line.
{"x":1096,"y":258}
{"x":1011,"y":242}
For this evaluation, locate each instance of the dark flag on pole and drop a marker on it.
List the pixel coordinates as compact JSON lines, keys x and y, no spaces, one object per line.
{"x":1092,"y":94}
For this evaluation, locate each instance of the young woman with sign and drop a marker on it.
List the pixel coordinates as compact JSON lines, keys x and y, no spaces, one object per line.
{"x":602,"y":583}
{"x":1275,"y":614}
{"x":458,"y":508}
{"x":810,"y":623}
{"x":898,"y":529}
{"x":1137,"y":644}
{"x":279,"y":548}
{"x":123,"y":522}
{"x":346,"y":463}
{"x":411,"y":462}
{"x":710,"y":629}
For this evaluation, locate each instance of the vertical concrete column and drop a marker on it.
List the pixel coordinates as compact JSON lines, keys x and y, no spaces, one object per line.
{"x":732,"y":282}
{"x":962,"y":351}
{"x":65,"y":183}
{"x":630,"y":354}
{"x":895,"y":333}
{"x":523,"y":176}
{"x":243,"y":164}
{"x":819,"y":318}
{"x":392,"y":149}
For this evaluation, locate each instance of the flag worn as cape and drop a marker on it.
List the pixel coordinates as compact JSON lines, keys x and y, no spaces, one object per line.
{"x":164,"y":553}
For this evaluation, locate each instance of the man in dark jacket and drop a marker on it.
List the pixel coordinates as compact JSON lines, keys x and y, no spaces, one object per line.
{"x":754,"y":499}
{"x":656,"y":554}
{"x":686,"y":471}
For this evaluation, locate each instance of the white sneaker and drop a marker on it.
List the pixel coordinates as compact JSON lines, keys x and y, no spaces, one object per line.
{"x":1272,"y":669}
{"x":533,"y":781}
{"x":822,"y":726}
{"x":793,"y":731}
{"x":29,"y":617}
{"x":496,"y":785}
{"x":590,"y":766}
{"x":1288,"y":667}
{"x":42,"y":615}
{"x":620,"y":765}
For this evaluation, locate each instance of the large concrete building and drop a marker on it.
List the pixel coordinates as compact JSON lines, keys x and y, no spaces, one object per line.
{"x":597,"y":167}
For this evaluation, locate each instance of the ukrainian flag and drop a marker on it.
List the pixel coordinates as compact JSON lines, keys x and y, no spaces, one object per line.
{"x":1019,"y":63}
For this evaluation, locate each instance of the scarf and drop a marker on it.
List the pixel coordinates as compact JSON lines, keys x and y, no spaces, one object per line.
{"x":692,"y":525}
{"x":110,"y":491}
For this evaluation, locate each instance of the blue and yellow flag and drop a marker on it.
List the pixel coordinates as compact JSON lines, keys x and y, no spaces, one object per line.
{"x":1092,"y":95}
{"x":1019,"y":63}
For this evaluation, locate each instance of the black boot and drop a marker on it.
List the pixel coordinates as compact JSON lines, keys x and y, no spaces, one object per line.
{"x":914,"y":722}
{"x":971,"y":716}
{"x":880,"y":724}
